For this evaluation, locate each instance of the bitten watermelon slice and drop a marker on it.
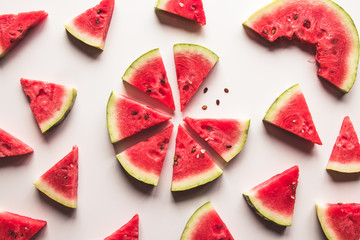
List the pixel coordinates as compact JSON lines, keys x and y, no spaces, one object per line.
{"x":14,"y":226}
{"x":11,"y":146}
{"x":340,"y":221}
{"x":130,"y":231}
{"x":226,"y":136}
{"x":91,"y":26}
{"x":61,"y":181}
{"x":274,"y":199}
{"x":144,"y":160}
{"x":321,"y":23}
{"x":148,"y":74}
{"x":193,"y":63}
{"x":49,"y":102}
{"x":290,"y":112}
{"x":190,"y":9}
{"x":14,"y":27}
{"x":192,"y":164}
{"x":206,"y":223}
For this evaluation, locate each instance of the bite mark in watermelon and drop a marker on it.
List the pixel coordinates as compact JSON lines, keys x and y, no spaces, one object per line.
{"x":60,"y":182}
{"x":274,"y":199}
{"x":148,"y":74}
{"x":12,"y":146}
{"x":130,"y":231}
{"x":91,"y":26}
{"x":321,"y":23}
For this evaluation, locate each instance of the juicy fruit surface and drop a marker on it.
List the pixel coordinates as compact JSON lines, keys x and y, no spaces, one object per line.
{"x":11,"y":146}
{"x":14,"y":226}
{"x":148,"y":74}
{"x":340,"y":221}
{"x":130,"y":231}
{"x":321,"y":23}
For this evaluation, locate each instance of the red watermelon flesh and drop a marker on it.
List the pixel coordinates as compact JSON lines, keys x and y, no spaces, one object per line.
{"x":14,"y":226}
{"x":144,"y":160}
{"x":130,"y":231}
{"x":148,"y":74}
{"x":61,"y":181}
{"x":340,"y":221}
{"x":11,"y":146}
{"x":14,"y":27}
{"x":321,"y":23}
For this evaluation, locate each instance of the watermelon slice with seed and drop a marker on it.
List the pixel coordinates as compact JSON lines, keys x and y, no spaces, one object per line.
{"x":144,"y":160}
{"x":125,"y":117}
{"x":193,"y":63}
{"x":49,"y":102}
{"x":190,"y":9}
{"x":274,"y":199}
{"x":206,"y":223}
{"x":130,"y":231}
{"x":148,"y":74}
{"x":192,"y":166}
{"x":226,"y":136}
{"x":339,"y":221}
{"x":291,"y":112}
{"x":323,"y":24}
{"x":61,"y":181}
{"x":14,"y":27}
{"x":12,"y":146}
{"x":91,"y":26}
{"x":14,"y":226}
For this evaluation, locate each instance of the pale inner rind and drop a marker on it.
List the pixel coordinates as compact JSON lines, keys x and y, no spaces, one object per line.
{"x":344,"y":167}
{"x":84,"y":36}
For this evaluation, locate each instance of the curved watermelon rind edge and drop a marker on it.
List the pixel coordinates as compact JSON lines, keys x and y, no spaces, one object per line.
{"x":111,"y":126}
{"x":86,"y":38}
{"x":344,"y":167}
{"x":320,"y":211}
{"x":210,"y":55}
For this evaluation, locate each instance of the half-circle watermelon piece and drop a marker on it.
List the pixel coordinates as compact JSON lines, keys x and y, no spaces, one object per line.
{"x":129,"y":231}
{"x":291,"y":112}
{"x":60,"y":182}
{"x":321,"y":23}
{"x":274,"y":199}
{"x":91,"y":26}
{"x":148,"y":74}
{"x":12,"y":146}
{"x":14,"y":27}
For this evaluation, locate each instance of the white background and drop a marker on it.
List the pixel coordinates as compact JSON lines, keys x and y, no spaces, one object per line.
{"x":255,"y":73}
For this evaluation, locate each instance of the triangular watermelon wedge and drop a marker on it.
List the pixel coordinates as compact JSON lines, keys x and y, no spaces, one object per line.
{"x":226,"y":136}
{"x":14,"y":226}
{"x":291,"y":112}
{"x":129,"y":231}
{"x":345,"y":156}
{"x":144,"y":160}
{"x":11,"y":146}
{"x":91,"y":26}
{"x":193,"y":63}
{"x":61,"y":181}
{"x":49,"y":102}
{"x":148,"y":74}
{"x":125,"y":117}
{"x":339,"y":221}
{"x":274,"y":199}
{"x":14,"y":27}
{"x":193,"y":166}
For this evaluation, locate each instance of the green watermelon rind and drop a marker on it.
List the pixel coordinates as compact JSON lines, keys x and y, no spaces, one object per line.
{"x":84,"y":37}
{"x":195,"y":48}
{"x":321,"y":213}
{"x":343,"y":167}
{"x":111,"y":122}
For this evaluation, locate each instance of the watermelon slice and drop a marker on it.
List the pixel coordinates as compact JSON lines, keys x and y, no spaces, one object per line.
{"x":125,"y":117}
{"x":321,"y":23}
{"x":130,"y":231}
{"x":345,"y":156}
{"x":190,"y":9}
{"x":148,"y":74}
{"x":14,"y":226}
{"x":226,"y":136}
{"x":274,"y":199}
{"x":14,"y":27}
{"x":340,"y":221}
{"x":193,"y":63}
{"x":144,"y":160}
{"x":49,"y":102}
{"x":192,"y":164}
{"x":11,"y":146}
{"x":61,"y":181}
{"x":91,"y":26}
{"x":290,"y":112}
{"x":206,"y":223}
